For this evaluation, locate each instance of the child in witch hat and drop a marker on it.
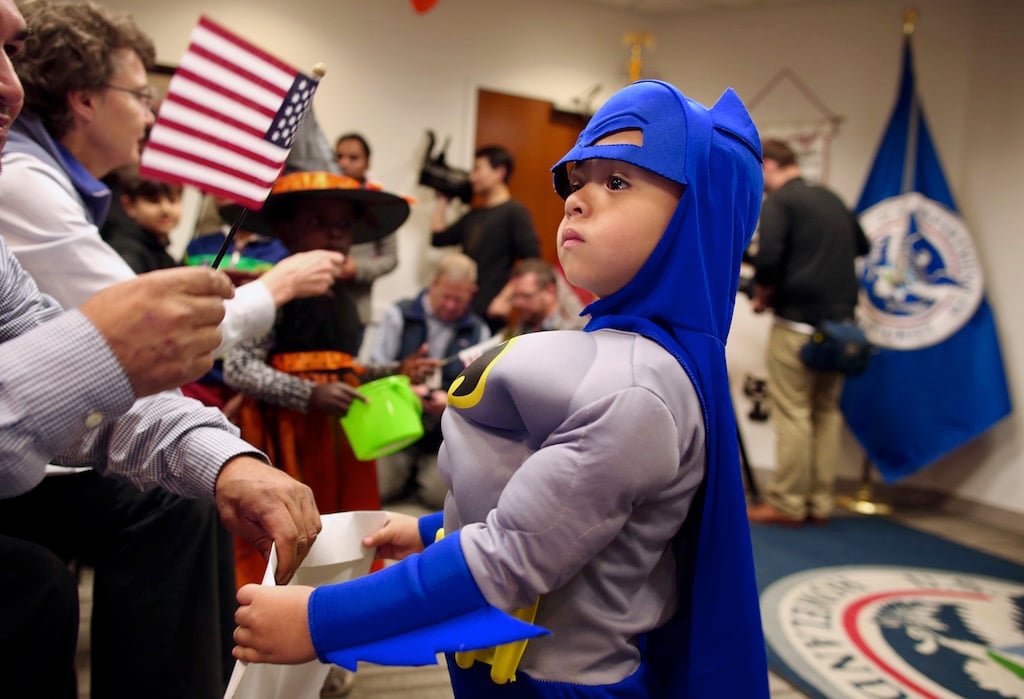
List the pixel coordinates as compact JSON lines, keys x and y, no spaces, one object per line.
{"x":302,"y":376}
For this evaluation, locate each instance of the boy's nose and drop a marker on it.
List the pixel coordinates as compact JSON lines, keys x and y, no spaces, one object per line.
{"x":575,"y":203}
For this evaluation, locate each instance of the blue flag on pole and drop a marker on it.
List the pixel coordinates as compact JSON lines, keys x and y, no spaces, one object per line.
{"x":938,"y":379}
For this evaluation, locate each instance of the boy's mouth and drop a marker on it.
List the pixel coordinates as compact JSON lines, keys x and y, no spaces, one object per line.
{"x":571,"y":236}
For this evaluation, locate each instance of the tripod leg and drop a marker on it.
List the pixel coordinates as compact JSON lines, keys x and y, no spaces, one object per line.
{"x":755,"y":495}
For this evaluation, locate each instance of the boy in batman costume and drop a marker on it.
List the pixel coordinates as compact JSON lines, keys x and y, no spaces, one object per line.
{"x":593,"y":476}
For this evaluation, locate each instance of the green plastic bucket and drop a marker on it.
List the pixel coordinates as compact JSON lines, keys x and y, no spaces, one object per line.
{"x":389,"y":422}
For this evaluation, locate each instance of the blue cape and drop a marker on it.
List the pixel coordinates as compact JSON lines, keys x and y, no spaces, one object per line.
{"x":683,"y":298}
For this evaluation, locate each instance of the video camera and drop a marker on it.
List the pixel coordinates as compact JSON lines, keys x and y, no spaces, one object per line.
{"x":439,"y":176}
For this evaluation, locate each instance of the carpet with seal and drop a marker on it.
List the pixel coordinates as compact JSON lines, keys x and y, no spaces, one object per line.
{"x":866,"y":608}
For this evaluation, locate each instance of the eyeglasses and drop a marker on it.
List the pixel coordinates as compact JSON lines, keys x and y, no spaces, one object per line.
{"x":146,"y":95}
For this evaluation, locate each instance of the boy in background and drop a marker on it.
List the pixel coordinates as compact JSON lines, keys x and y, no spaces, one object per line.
{"x":153,"y":210}
{"x":596,"y":471}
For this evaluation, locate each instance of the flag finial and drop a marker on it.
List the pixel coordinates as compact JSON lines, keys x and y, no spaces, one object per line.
{"x":909,"y":18}
{"x":319,"y":70}
{"x":637,"y":42}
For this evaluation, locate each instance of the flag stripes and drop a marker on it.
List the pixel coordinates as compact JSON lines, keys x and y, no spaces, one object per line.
{"x":227,"y":122}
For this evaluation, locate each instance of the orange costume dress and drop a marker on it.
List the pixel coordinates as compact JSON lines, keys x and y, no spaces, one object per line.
{"x":311,"y":343}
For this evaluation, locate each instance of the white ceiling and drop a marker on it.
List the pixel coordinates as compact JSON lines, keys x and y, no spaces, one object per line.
{"x":675,"y":7}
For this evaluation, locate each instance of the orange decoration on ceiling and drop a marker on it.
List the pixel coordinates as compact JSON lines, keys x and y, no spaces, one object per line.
{"x":422,"y":6}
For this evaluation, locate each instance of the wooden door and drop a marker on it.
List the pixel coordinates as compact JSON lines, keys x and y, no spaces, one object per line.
{"x":537,"y":136}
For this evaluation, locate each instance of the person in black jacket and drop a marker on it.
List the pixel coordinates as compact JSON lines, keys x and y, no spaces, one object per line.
{"x":805,"y":274}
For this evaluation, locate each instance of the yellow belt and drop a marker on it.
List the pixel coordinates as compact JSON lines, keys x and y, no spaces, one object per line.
{"x":503,"y":659}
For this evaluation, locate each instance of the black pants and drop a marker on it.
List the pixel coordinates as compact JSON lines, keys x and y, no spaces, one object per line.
{"x":38,"y":622}
{"x":164,"y":586}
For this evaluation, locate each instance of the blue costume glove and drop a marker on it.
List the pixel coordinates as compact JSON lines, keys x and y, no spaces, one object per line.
{"x":409,"y":612}
{"x":429,"y":524}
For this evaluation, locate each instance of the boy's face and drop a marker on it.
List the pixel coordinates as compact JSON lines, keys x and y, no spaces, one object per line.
{"x":320,"y":224}
{"x":158,"y":216}
{"x":352,"y":159}
{"x":614,"y":217}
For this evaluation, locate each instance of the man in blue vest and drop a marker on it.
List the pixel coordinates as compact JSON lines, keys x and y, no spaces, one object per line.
{"x":441,"y":318}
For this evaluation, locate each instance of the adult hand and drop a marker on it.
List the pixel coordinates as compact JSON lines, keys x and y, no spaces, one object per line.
{"x":418,"y":366}
{"x":398,"y":538}
{"x":303,"y":274}
{"x":162,"y":326}
{"x":265,"y":505}
{"x":273,"y":625}
{"x":335,"y":398}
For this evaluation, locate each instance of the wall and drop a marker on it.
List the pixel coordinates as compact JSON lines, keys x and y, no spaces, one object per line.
{"x":392,"y":74}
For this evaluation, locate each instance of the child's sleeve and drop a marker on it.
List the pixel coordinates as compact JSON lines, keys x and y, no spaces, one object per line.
{"x":429,"y":526}
{"x":409,"y":612}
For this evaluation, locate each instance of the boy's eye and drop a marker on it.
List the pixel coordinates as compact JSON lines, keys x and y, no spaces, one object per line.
{"x":574,"y":186}
{"x":616,"y":182}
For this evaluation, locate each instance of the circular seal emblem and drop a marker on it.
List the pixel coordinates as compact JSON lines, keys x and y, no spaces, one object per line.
{"x":921,"y":281}
{"x":890,"y":632}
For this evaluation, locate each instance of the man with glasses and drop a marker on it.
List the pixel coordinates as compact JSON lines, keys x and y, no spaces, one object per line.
{"x":536,"y":300}
{"x":163,"y":594}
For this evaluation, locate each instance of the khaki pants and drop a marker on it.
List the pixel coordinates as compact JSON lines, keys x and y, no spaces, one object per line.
{"x":808,"y":423}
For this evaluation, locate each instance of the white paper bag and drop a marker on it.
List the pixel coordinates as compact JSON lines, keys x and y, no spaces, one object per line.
{"x":338,"y":555}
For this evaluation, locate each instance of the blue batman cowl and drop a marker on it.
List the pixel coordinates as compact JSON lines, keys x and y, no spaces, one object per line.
{"x":683,"y":299}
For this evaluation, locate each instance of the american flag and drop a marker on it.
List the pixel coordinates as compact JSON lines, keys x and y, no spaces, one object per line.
{"x":229,"y":118}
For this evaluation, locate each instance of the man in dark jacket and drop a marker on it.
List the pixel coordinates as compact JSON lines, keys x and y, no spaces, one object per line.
{"x":805,"y":273}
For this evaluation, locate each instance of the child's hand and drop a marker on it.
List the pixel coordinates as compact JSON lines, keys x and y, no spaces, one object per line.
{"x":335,"y":398}
{"x":273,"y":625}
{"x":398,"y":538}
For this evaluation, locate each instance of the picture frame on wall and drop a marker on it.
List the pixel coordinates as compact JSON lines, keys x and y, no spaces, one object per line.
{"x":159,"y":77}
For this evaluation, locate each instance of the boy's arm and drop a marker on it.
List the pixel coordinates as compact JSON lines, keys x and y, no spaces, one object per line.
{"x":402,"y":615}
{"x":409,"y":612}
